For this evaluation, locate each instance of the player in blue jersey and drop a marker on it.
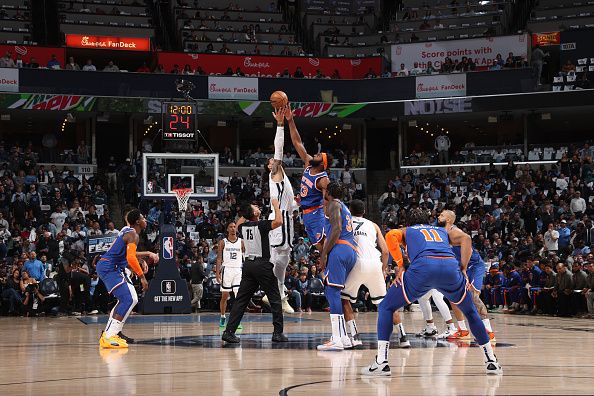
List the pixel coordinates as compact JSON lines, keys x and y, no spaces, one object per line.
{"x":313,"y":183}
{"x":433,"y":266}
{"x":111,"y":270}
{"x":338,"y":257}
{"x":476,"y":273}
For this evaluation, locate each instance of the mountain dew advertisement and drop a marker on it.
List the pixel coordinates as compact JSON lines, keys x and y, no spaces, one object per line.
{"x":53,"y":102}
{"x":305,"y":109}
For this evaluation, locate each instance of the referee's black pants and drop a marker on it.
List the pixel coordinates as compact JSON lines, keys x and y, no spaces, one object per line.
{"x":256,"y":273}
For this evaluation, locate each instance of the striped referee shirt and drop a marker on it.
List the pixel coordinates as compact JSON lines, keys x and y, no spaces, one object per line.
{"x":255,"y":238}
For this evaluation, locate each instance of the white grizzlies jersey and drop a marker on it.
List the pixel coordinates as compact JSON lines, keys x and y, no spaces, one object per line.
{"x":232,"y":255}
{"x":366,"y":239}
{"x":282,"y":237}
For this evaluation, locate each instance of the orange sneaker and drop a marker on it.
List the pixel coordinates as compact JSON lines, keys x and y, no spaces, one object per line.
{"x":460,"y":335}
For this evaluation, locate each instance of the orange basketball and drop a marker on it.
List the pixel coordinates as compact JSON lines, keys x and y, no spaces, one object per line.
{"x":279,"y":99}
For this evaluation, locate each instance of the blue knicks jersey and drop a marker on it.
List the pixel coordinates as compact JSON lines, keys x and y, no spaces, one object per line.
{"x":310,"y":195}
{"x":117,"y":252}
{"x":426,"y":240}
{"x":475,"y":257}
{"x":346,"y":234}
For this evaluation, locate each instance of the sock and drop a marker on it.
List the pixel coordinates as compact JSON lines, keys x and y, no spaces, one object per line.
{"x":353,"y":327}
{"x":342,"y":327}
{"x":113,"y":327}
{"x":335,"y":321}
{"x":401,"y":331}
{"x":383,"y":348}
{"x":452,"y":327}
{"x":462,"y":325}
{"x":431,"y":325}
{"x":488,"y":351}
{"x":487,"y":323}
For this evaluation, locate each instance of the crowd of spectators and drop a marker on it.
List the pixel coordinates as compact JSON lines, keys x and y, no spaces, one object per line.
{"x":532,"y":226}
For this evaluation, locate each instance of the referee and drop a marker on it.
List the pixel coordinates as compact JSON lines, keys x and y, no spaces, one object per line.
{"x":257,"y":270}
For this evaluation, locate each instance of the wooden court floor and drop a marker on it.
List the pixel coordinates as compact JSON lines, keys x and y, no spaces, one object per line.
{"x":182,"y":355}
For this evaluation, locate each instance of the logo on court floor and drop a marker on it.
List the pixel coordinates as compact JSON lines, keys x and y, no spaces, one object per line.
{"x":168,"y":248}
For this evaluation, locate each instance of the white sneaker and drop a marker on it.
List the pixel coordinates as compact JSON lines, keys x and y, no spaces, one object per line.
{"x":493,"y":368}
{"x":404,"y":342}
{"x":93,"y":312}
{"x":376,"y":369}
{"x":347,"y":343}
{"x":356,"y":341}
{"x":447,"y":333}
{"x":287,"y":308}
{"x":331,"y":346}
{"x":428,"y":331}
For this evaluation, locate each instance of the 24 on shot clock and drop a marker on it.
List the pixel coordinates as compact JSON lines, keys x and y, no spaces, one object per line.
{"x":179,"y":121}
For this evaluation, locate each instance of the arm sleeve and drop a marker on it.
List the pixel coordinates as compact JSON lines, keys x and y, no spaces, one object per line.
{"x":132,"y":259}
{"x":279,"y":142}
{"x":393,"y":241}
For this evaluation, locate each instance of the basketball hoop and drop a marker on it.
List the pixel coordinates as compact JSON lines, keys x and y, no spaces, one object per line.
{"x":182,"y":195}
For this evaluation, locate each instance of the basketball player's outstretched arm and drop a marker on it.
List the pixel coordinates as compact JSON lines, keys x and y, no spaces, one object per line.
{"x":220,"y":248}
{"x":279,"y":142}
{"x":278,"y":216}
{"x":131,"y":240}
{"x":333,"y":212}
{"x":381,"y":243}
{"x":296,"y":138}
{"x":460,"y":238}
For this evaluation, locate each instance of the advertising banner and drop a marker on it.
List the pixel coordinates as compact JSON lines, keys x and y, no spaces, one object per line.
{"x":270,"y":66}
{"x":28,"y":53}
{"x":441,"y":85}
{"x":53,"y":102}
{"x":232,"y":88}
{"x":9,"y":80}
{"x":99,"y":244}
{"x":482,"y":51}
{"x":108,"y":42}
{"x":550,"y":38}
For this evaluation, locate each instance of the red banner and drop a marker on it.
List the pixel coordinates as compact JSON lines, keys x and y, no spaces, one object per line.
{"x":41,"y":54}
{"x":270,"y":66}
{"x":108,"y":42}
{"x":552,"y":38}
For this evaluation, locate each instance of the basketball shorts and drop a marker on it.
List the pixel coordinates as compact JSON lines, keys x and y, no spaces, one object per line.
{"x":341,"y":260}
{"x":368,"y":273}
{"x":426,"y":273}
{"x":111,"y":274}
{"x":282,"y":237}
{"x":231,"y":279}
{"x":476,"y":274}
{"x":314,"y":225}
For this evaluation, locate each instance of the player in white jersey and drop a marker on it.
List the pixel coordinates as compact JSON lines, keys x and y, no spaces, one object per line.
{"x":369,"y":270}
{"x":281,"y":238}
{"x":229,"y":264}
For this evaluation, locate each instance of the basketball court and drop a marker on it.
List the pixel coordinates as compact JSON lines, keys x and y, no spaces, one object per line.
{"x":183,"y":354}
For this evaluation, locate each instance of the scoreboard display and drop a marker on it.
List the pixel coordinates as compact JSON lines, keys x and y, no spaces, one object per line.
{"x":179,"y":121}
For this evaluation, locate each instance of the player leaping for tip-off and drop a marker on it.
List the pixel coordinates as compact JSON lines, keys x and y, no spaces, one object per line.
{"x":313,"y":182}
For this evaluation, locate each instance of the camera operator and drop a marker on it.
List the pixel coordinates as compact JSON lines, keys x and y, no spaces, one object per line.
{"x":33,"y":297}
{"x":80,"y":286}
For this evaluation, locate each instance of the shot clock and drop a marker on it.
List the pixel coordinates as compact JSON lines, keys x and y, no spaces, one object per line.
{"x":179,"y":121}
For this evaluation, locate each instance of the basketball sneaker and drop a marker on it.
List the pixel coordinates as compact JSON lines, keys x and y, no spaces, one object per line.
{"x":346,"y":342}
{"x":331,"y":346}
{"x":126,"y":338}
{"x":446,"y":334}
{"x":376,"y":369}
{"x":223,"y":321}
{"x":428,"y":331}
{"x":463,"y":335}
{"x":114,"y":342}
{"x":287,"y":308}
{"x":404,"y":342}
{"x":356,"y":341}
{"x":493,"y":368}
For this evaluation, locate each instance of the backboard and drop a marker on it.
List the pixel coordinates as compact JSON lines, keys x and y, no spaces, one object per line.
{"x":163,"y":172}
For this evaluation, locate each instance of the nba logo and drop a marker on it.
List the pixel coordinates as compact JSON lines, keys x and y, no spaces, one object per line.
{"x":168,"y":248}
{"x":167,"y":287}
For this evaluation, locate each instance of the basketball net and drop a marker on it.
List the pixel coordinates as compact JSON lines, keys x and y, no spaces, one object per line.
{"x":182,"y":195}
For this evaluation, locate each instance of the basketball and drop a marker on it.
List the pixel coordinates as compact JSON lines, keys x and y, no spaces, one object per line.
{"x":279,"y":99}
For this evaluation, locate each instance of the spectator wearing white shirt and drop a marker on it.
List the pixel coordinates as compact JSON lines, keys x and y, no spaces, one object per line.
{"x":551,"y":239}
{"x":442,"y":145}
{"x":577,"y":205}
{"x":89,"y":66}
{"x":561,"y":183}
{"x":403,"y":70}
{"x":416,"y":69}
{"x":111,"y":230}
{"x":58,"y":217}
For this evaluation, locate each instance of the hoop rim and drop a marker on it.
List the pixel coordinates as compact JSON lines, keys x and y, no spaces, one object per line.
{"x":180,"y":192}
